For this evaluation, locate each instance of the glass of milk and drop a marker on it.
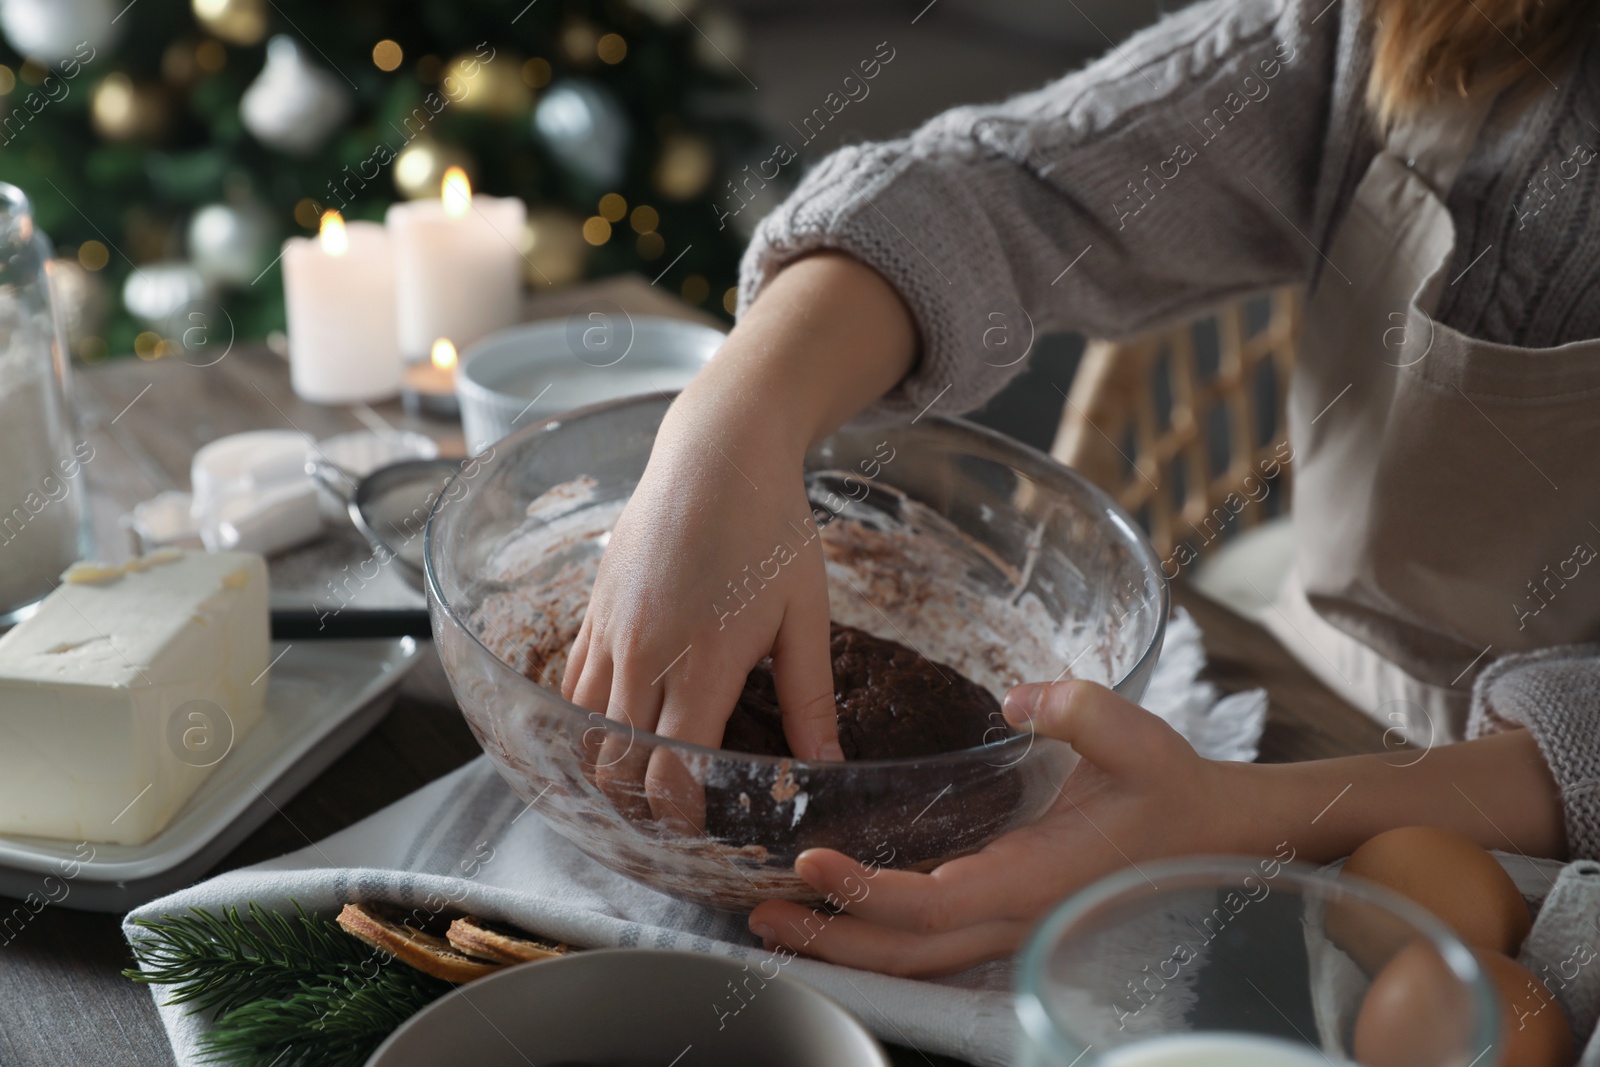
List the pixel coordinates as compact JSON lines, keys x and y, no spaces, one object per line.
{"x":1238,"y":962}
{"x":41,"y":460}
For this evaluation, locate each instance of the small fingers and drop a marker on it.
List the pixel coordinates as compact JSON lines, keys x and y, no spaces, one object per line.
{"x":802,"y":673}
{"x":855,"y":942}
{"x":620,"y":765}
{"x":953,"y":896}
{"x":695,"y":704}
{"x":1115,"y":734}
{"x":575,"y":661}
{"x":592,"y":688}
{"x":696,"y":713}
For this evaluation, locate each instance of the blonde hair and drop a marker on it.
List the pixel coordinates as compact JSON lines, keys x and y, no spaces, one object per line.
{"x":1423,"y":49}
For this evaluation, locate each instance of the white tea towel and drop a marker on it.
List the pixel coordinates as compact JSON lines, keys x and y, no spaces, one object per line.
{"x":1226,"y":729}
{"x":467,"y":843}
{"x":1563,"y":950}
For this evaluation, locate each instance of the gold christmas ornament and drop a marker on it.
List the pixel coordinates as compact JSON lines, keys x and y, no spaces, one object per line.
{"x":387,"y":55}
{"x":210,"y":56}
{"x":123,"y":111}
{"x":650,"y":245}
{"x":420,"y":167}
{"x":240,"y":22}
{"x":178,"y":65}
{"x":81,"y":298}
{"x":612,"y":49}
{"x":695,"y":289}
{"x":553,"y":248}
{"x":495,"y":87}
{"x":581,"y":42}
{"x":92,"y":255}
{"x":536,"y":73}
{"x":684,"y":168}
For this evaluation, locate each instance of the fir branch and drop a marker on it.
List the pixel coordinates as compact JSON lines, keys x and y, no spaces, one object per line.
{"x":326,"y":1026}
{"x":221,"y":962}
{"x":282,"y":990}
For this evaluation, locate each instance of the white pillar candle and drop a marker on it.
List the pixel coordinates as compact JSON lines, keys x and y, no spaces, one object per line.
{"x":340,"y":300}
{"x":457,"y":267}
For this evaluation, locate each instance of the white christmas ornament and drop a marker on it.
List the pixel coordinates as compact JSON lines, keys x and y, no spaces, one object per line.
{"x":293,"y":105}
{"x":585,"y":128}
{"x":228,"y":244}
{"x":52,"y":30}
{"x":154,"y":291}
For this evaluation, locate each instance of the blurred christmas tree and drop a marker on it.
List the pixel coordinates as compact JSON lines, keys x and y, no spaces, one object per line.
{"x":190,"y":139}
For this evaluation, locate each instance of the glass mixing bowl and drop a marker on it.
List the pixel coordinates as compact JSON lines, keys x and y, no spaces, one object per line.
{"x":977,"y":551}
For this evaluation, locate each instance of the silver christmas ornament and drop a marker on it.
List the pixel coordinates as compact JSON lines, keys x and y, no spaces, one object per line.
{"x":230,"y":244}
{"x":53,"y":30}
{"x":585,"y":128}
{"x":154,"y":291}
{"x":293,"y":105}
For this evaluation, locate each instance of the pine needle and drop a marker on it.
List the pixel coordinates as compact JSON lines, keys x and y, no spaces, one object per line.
{"x":281,"y":990}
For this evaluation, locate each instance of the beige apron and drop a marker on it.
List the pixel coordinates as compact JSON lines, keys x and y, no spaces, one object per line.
{"x":1447,"y":489}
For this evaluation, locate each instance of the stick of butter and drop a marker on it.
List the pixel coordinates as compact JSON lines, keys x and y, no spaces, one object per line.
{"x":126,"y":686}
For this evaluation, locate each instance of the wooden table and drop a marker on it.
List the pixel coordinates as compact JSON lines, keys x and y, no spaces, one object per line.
{"x":62,"y":998}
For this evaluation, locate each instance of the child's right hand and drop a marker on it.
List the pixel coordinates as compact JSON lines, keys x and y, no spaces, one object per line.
{"x":676,"y":620}
{"x":706,"y":572}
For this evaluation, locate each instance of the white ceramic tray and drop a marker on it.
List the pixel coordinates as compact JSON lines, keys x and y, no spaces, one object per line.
{"x":322,"y":697}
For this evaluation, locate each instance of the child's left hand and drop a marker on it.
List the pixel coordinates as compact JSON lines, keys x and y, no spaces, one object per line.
{"x":1138,"y":793}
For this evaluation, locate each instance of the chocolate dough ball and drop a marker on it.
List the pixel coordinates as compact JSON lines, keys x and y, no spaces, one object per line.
{"x":892,"y":701}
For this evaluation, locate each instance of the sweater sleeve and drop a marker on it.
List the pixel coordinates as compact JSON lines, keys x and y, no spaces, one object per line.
{"x":1555,"y":694}
{"x":1176,"y":172}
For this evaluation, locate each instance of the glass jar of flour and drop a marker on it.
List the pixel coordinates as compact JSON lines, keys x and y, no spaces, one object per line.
{"x":42,"y":483}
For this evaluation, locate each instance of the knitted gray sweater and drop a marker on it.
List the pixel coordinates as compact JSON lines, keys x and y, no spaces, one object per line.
{"x":1206,"y":158}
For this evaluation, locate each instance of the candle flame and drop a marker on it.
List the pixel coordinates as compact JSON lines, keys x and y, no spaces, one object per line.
{"x":335,"y":242}
{"x":444,"y":354}
{"x":456,"y":192}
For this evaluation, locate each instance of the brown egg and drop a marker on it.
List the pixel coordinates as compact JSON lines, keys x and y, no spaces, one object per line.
{"x":1370,"y":934}
{"x":1413,"y":1014}
{"x":1533,"y":1030}
{"x":1447,"y":874}
{"x":1413,"y":1017}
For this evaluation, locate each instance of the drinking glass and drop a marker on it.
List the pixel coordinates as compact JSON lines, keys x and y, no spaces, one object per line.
{"x":1246,"y":963}
{"x":41,"y":476}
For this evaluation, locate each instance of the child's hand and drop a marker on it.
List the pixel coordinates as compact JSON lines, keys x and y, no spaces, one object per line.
{"x":1139,"y":792}
{"x":709,"y":568}
{"x":714,"y":563}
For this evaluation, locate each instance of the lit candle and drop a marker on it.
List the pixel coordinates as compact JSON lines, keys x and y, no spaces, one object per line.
{"x":430,"y":387}
{"x":339,"y":298}
{"x":457,"y":267}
